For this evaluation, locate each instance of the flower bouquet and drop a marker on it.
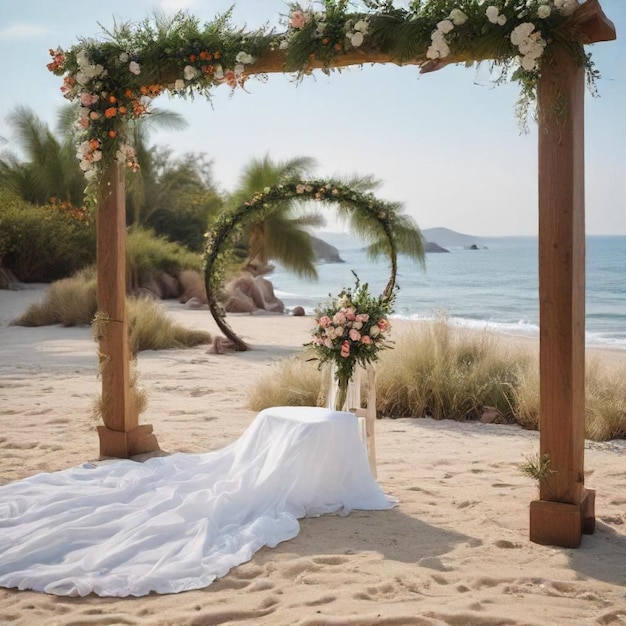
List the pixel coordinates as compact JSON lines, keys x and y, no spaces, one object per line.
{"x":351,"y":330}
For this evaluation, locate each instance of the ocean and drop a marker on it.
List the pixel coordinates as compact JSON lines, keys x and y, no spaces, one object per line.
{"x":494,"y":287}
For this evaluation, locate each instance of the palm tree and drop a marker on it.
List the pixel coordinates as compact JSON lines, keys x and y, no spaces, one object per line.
{"x":283,"y":236}
{"x":50,"y":169}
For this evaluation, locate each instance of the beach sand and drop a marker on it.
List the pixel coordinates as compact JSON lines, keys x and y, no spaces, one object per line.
{"x":455,"y":551}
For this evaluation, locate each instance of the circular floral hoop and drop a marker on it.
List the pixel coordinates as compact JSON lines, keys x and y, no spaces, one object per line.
{"x":377,"y":213}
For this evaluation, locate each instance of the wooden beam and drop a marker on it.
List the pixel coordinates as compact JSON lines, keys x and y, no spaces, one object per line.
{"x":121,"y":436}
{"x":560,"y":95}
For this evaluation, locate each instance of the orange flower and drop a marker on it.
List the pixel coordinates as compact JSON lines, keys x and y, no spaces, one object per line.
{"x":94,"y":144}
{"x":192,"y":58}
{"x":144,"y":90}
{"x":112,"y":134}
{"x":112,"y":99}
{"x":110,"y":112}
{"x":128,"y":93}
{"x":123,"y":110}
{"x":217,"y":55}
{"x":337,"y":47}
{"x":325,"y":41}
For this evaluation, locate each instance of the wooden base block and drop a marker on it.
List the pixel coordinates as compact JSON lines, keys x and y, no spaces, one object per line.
{"x":560,"y":524}
{"x":121,"y":445}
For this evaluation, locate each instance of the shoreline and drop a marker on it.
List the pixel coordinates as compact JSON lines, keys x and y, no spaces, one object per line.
{"x":455,"y":550}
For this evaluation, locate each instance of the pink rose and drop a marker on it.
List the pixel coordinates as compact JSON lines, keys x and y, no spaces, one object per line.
{"x":383,"y":324}
{"x":323,"y":321}
{"x":362,"y":317}
{"x":350,"y":314}
{"x":87,"y":99}
{"x":355,"y":335}
{"x":230,"y":79}
{"x":366,"y":339}
{"x":339,"y":318}
{"x":297,"y":19}
{"x":345,"y":349}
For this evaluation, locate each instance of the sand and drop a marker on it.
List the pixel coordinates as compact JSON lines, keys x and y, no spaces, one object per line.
{"x":456,"y":550}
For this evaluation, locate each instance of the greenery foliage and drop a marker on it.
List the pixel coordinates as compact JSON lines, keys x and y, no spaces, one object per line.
{"x":115,"y":80}
{"x":43,"y":243}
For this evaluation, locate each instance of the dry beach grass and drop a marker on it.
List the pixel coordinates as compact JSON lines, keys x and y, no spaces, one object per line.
{"x":455,"y":551}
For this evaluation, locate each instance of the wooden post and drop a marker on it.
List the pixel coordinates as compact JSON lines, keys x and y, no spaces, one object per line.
{"x":121,"y":436}
{"x":565,"y":508}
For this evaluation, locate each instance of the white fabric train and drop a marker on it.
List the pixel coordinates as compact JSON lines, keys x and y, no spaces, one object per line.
{"x":178,"y":522}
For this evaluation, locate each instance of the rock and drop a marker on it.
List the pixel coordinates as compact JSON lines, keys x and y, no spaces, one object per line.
{"x":192,"y":286}
{"x":491,"y":415}
{"x":298,"y":311}
{"x":8,"y":279}
{"x":248,"y":294}
{"x":324,"y":252}
{"x":194,"y":304}
{"x":431,"y":246}
{"x":170,"y":287}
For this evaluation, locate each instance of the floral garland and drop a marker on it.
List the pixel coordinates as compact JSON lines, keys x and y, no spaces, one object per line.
{"x":351,"y":330}
{"x":378,"y":213}
{"x":115,"y":81}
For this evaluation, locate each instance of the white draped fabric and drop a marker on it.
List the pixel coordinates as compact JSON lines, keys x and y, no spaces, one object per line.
{"x":178,"y":522}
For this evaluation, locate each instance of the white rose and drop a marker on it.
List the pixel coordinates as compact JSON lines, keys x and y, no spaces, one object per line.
{"x":134,"y":68}
{"x":529,"y":63}
{"x":432,"y":53}
{"x":96,"y":155}
{"x":357,"y":39}
{"x":458,"y":17}
{"x":521,"y":32}
{"x":92,"y":173}
{"x":190,"y":72}
{"x":492,"y":14}
{"x":362,"y":26}
{"x":124,"y":57}
{"x":445,"y":26}
{"x":179,"y":85}
{"x":244,"y":57}
{"x":501,"y":20}
{"x":85,"y":165}
{"x":218,"y":72}
{"x":82,"y":58}
{"x":543,"y":12}
{"x":374,"y":331}
{"x":239,"y":70}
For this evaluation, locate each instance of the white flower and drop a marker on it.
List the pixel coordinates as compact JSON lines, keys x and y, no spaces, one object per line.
{"x":357,"y":39}
{"x":85,"y":165}
{"x":244,"y":57}
{"x":124,"y":57}
{"x":179,"y":85}
{"x":501,"y":20}
{"x":284,"y":44}
{"x":458,"y":17}
{"x":492,"y":14}
{"x":96,"y":155}
{"x":543,"y":12}
{"x":529,"y":63}
{"x":374,"y":331}
{"x":91,"y":173}
{"x":361,"y":26}
{"x":82,"y":58}
{"x":432,"y":53}
{"x":190,"y":72}
{"x":445,"y":26}
{"x":218,"y":72}
{"x":239,"y":69}
{"x":521,"y":32}
{"x":134,"y":68}
{"x":84,"y":148}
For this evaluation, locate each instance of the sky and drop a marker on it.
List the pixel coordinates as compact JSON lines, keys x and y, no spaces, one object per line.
{"x":447,"y":144}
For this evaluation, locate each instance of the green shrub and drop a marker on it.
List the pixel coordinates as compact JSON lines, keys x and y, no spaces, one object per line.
{"x":148,"y":256}
{"x":41,"y":243}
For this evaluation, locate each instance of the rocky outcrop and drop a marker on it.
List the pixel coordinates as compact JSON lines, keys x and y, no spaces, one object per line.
{"x":252,"y":294}
{"x":431,"y":246}
{"x":324,"y":252}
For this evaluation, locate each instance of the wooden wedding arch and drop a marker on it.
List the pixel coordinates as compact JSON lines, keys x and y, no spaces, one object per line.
{"x":565,"y":509}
